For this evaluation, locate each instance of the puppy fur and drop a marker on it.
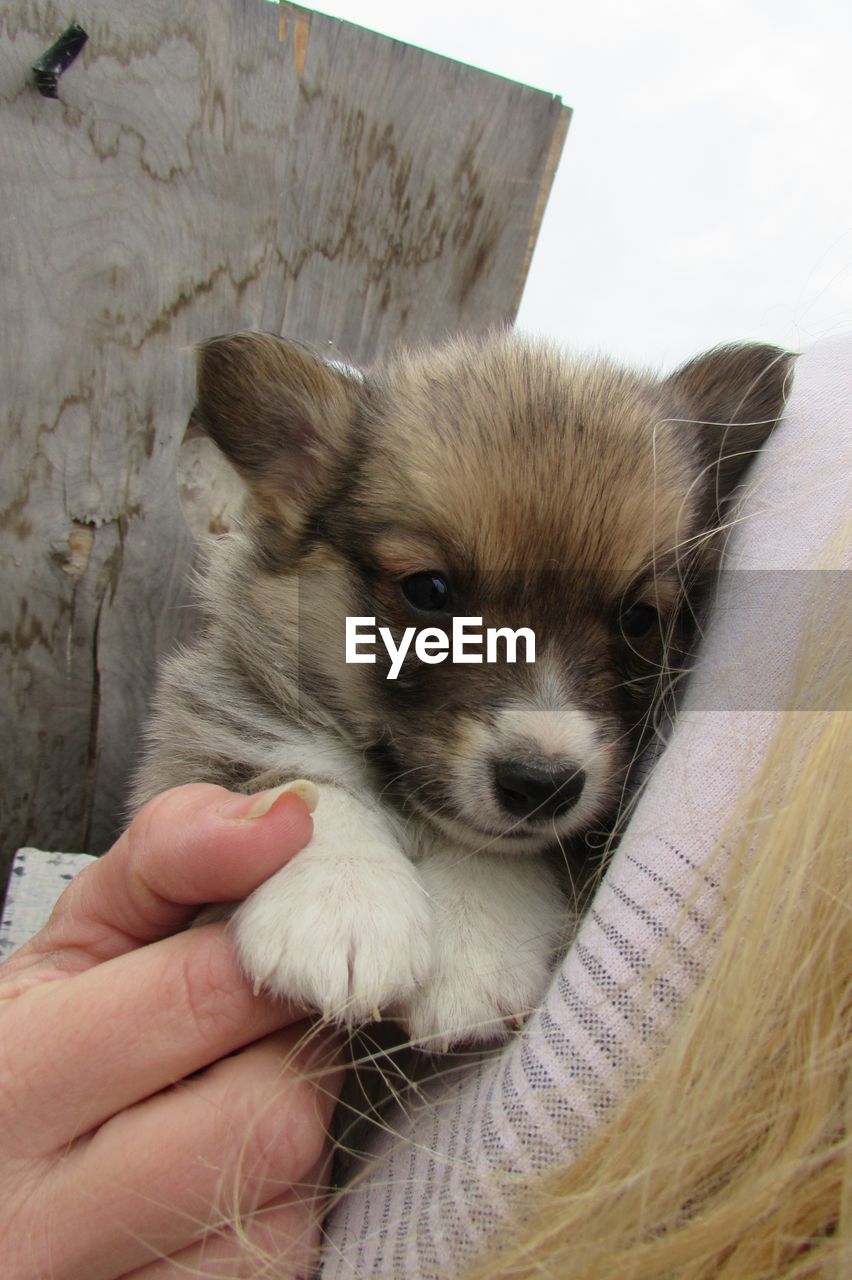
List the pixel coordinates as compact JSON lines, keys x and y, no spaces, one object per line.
{"x":574,"y":497}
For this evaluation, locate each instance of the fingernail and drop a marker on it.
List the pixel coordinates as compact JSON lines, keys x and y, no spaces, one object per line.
{"x":257,"y":805}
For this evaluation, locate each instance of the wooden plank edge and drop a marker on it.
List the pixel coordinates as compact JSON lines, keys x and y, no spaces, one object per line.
{"x":554,"y":154}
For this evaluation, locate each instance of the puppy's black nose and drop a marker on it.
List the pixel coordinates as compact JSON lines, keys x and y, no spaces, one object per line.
{"x":531,"y":791}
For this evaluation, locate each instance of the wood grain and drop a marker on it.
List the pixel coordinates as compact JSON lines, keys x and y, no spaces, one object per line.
{"x":209,"y":165}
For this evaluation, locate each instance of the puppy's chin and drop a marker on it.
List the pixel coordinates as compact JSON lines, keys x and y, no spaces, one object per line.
{"x":515,"y":836}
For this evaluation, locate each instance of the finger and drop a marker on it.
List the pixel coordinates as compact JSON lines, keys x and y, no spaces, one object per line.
{"x":122,"y":1031}
{"x":278,"y":1239}
{"x":161,"y":1176}
{"x":185,"y":848}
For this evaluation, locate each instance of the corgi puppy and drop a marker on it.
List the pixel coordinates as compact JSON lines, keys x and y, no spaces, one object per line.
{"x":494,"y":488}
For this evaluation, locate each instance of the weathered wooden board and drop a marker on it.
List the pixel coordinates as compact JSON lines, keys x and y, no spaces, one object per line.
{"x":209,"y":165}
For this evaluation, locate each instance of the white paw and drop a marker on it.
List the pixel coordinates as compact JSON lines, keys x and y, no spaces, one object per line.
{"x":498,"y":922}
{"x":480,"y":997}
{"x":345,"y":935}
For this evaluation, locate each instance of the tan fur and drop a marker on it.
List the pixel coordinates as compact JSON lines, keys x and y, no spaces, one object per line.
{"x":526,"y":445}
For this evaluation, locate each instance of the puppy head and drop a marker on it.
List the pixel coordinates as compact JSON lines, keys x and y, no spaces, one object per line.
{"x":496,"y":479}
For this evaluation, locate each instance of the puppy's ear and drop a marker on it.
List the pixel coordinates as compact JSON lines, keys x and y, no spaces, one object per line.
{"x":280,"y":414}
{"x":728,"y":402}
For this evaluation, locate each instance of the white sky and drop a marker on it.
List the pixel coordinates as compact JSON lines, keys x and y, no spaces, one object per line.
{"x":705,"y":189}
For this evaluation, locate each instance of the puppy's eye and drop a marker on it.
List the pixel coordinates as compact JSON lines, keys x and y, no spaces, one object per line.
{"x":638,"y":620}
{"x":426,"y":592}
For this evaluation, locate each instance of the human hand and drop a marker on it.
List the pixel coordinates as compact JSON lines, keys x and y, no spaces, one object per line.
{"x":147,"y":1098}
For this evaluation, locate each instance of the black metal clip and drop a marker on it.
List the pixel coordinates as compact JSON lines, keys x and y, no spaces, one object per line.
{"x":49,"y":67}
